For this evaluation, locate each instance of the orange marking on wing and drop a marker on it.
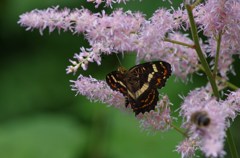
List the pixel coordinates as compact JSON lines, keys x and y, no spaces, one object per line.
{"x":122,"y":90}
{"x":165,"y":72}
{"x":158,"y":80}
{"x":150,"y":97}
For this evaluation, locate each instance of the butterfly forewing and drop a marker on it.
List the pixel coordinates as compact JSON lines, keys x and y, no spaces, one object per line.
{"x":116,"y":82}
{"x":155,"y":73}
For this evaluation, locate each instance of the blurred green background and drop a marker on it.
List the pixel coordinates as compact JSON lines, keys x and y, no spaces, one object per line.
{"x":40,"y":117}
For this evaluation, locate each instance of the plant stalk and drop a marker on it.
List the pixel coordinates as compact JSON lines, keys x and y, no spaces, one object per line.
{"x":179,"y":130}
{"x":217,"y":54}
{"x":231,"y":145}
{"x":178,"y":42}
{"x":200,"y":53}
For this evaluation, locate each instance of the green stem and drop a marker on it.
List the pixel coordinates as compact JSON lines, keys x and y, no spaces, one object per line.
{"x":200,"y":53}
{"x":178,"y":42}
{"x":228,"y":84}
{"x":196,"y":3}
{"x":231,"y":145}
{"x":232,"y":86}
{"x":179,"y":130}
{"x":217,"y":54}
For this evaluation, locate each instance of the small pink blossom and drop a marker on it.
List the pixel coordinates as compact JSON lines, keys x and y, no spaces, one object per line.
{"x":233,"y":102}
{"x":181,"y":18}
{"x":107,"y":2}
{"x":187,"y":148}
{"x":225,"y":57}
{"x":83,"y":58}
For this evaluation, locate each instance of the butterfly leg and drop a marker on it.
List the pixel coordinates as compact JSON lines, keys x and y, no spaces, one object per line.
{"x":126,"y":102}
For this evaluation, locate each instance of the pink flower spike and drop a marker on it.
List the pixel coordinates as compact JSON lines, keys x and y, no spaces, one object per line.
{"x":72,"y":68}
{"x":83,"y":59}
{"x":96,"y":90}
{"x":41,"y":19}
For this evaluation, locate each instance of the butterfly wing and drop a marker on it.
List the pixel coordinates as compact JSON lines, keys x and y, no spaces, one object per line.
{"x":116,"y":82}
{"x":151,"y":75}
{"x":146,"y":102}
{"x":155,"y":73}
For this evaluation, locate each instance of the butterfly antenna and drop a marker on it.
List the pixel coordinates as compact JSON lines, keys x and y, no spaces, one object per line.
{"x":119,"y":60}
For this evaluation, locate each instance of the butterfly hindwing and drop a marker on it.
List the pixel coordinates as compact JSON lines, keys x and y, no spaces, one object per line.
{"x":146,"y":102}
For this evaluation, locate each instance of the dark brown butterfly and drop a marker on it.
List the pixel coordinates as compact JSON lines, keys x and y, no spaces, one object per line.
{"x":139,"y":84}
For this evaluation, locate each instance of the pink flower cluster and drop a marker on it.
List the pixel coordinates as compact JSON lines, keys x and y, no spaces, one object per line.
{"x":187,"y":148}
{"x":119,"y":32}
{"x":221,"y":16}
{"x":209,"y":139}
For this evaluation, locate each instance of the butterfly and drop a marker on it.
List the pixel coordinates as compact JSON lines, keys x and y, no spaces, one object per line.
{"x":139,"y":84}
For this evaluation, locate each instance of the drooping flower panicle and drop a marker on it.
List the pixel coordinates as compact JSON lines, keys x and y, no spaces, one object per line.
{"x":118,"y":32}
{"x":96,"y":90}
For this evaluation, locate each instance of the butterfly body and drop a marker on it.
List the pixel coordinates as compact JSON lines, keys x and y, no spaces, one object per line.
{"x":139,"y":84}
